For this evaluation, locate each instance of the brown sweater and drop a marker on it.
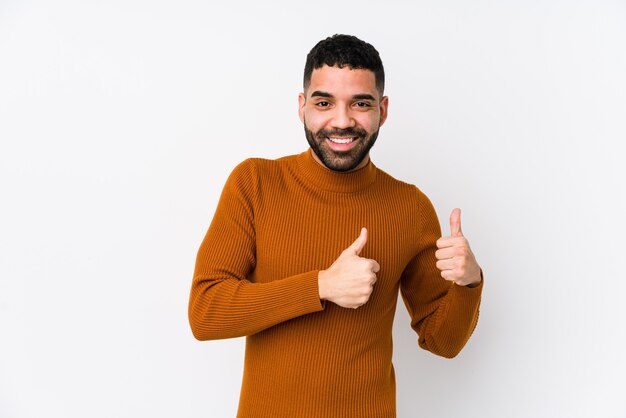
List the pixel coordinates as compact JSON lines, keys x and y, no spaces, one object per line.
{"x":279,"y":222}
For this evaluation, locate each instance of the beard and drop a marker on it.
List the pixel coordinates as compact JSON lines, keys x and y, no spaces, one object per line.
{"x":341,"y":160}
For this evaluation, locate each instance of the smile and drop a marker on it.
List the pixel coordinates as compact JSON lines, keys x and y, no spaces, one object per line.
{"x":341,"y":140}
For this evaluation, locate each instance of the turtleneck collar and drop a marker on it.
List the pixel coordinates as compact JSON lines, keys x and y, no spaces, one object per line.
{"x":324,"y":178}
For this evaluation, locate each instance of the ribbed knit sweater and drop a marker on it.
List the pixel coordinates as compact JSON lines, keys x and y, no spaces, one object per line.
{"x":277,"y":224}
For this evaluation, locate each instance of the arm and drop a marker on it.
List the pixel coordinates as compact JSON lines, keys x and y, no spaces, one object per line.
{"x":223,"y":302}
{"x":443,"y":314}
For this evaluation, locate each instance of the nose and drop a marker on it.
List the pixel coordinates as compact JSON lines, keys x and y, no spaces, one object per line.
{"x":342,"y":118}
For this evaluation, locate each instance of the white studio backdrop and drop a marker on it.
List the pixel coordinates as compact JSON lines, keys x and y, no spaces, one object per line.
{"x":120,"y":121}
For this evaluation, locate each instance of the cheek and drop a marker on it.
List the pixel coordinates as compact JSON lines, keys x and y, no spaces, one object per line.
{"x":313,"y":121}
{"x":369,"y":122}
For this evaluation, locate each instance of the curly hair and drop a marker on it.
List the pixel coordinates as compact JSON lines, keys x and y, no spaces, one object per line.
{"x":345,"y":51}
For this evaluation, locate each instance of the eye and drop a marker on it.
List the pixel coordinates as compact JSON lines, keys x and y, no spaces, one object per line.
{"x":322,"y":104}
{"x":362,"y":104}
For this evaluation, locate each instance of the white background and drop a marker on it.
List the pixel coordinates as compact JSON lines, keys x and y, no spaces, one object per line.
{"x":120,"y":121}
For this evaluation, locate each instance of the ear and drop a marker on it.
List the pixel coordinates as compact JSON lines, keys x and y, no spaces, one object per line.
{"x":384,"y":104}
{"x":301,"y":103}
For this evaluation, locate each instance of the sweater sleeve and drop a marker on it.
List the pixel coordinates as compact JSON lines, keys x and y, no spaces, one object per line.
{"x":443,"y":314}
{"x":223,"y":302}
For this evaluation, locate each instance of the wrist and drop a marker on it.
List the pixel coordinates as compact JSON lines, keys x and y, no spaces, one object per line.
{"x":477,"y":282}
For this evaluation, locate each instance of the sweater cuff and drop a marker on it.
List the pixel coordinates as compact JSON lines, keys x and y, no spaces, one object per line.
{"x":470,"y":295}
{"x":307,"y":292}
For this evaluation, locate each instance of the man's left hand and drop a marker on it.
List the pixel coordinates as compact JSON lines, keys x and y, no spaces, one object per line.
{"x":454,"y":256}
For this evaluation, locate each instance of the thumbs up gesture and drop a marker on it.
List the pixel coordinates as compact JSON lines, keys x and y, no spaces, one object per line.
{"x":454,"y":256}
{"x":349,"y":281}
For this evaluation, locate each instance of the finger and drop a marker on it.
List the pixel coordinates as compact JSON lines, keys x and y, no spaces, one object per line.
{"x":373,"y":279}
{"x":358,"y":245}
{"x":448,"y":264}
{"x":455,"y":223}
{"x":445,"y":242}
{"x":448,"y":275}
{"x":375,"y":267}
{"x":445,"y":253}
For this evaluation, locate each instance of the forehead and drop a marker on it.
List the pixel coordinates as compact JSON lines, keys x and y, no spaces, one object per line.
{"x":343,"y":81}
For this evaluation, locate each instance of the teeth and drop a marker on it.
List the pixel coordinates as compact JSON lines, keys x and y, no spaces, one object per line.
{"x":341,"y":140}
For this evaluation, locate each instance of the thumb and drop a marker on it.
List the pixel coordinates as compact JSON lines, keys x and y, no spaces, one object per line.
{"x":455,"y":223}
{"x":358,"y":245}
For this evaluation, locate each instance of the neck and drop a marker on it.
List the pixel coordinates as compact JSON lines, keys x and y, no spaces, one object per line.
{"x":323,"y":178}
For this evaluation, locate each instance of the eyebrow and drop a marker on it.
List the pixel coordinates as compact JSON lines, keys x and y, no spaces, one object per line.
{"x":362,"y":96}
{"x":318,"y":93}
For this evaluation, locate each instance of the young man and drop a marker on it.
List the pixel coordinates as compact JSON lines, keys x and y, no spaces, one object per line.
{"x":281,"y":266}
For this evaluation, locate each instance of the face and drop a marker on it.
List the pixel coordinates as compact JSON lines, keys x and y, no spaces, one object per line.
{"x":342,"y":111}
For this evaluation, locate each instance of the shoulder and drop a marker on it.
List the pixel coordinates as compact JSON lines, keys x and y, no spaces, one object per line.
{"x":407,"y":193}
{"x":264,"y":166}
{"x":257,"y":170}
{"x":389,"y":180}
{"x":396,"y":186}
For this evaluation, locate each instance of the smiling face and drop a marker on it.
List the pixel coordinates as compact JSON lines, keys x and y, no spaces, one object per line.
{"x":342,"y":111}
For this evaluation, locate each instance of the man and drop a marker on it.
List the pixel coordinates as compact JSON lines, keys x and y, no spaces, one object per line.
{"x":306,"y":254}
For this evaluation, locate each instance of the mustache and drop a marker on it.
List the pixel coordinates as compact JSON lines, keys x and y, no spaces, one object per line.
{"x":355,"y":132}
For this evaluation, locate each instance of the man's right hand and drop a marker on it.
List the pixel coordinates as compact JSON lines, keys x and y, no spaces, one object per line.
{"x":349,"y":281}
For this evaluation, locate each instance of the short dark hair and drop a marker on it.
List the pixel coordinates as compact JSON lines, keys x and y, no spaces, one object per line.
{"x":345,"y":51}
